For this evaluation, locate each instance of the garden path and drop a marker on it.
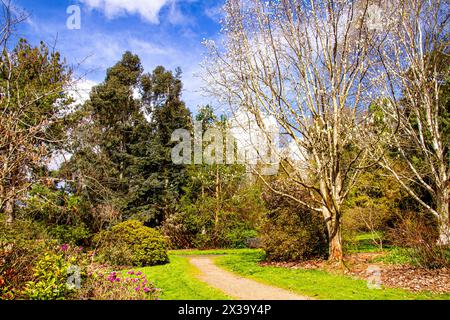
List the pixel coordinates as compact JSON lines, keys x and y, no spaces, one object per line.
{"x":236,"y":286}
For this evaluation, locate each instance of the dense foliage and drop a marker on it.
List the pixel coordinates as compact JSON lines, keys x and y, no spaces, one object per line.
{"x":132,"y":243}
{"x":291,"y":232}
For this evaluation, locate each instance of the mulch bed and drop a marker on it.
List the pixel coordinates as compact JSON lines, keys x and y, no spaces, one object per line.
{"x":392,"y":276}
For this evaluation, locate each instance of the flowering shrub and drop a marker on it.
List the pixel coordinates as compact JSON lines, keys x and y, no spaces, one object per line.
{"x":50,"y":279}
{"x":134,"y":243}
{"x":132,"y":285}
{"x":52,"y":271}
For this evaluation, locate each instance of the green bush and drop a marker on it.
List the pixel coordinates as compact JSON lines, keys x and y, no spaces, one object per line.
{"x":76,"y":235}
{"x":201,"y":224}
{"x":134,"y":243}
{"x":237,"y":237}
{"x":50,"y":279}
{"x":291,"y":232}
{"x":21,"y":246}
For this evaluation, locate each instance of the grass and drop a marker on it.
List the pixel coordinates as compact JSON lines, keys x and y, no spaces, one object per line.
{"x":395,"y":255}
{"x":314,"y":283}
{"x":178,"y":281}
{"x":212,"y":252}
{"x":363,"y":242}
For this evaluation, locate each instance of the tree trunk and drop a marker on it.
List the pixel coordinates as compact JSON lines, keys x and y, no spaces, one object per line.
{"x":336,"y":252}
{"x":217,"y":209}
{"x":10,"y":211}
{"x":334,"y":236}
{"x":444,"y":219}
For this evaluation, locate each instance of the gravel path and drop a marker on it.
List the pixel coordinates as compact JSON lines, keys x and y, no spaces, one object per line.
{"x":239,"y":287}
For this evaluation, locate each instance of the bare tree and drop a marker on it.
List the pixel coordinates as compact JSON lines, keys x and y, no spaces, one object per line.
{"x":415,"y":72}
{"x":307,"y":64}
{"x":33,"y":96}
{"x":9,"y":19}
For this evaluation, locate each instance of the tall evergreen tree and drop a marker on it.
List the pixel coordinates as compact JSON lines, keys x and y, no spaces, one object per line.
{"x":161,"y":96}
{"x":124,"y":155}
{"x":103,"y":148}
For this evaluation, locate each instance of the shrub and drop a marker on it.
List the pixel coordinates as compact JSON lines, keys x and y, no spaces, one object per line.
{"x":75,"y":235}
{"x":291,"y":232}
{"x":237,"y":237}
{"x":21,"y":246}
{"x":201,"y":224}
{"x":418,"y":234}
{"x":135,"y":243}
{"x":50,"y":279}
{"x":115,"y":286}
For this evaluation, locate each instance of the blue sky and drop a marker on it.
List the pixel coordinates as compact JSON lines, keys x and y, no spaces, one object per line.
{"x":161,"y":32}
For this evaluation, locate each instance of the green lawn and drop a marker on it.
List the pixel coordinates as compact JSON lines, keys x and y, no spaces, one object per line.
{"x":313,"y":283}
{"x":178,"y":282}
{"x":178,"y":279}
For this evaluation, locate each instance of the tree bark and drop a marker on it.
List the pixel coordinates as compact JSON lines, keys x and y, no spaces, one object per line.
{"x":444,"y":218}
{"x":336,"y":252}
{"x":334,"y":236}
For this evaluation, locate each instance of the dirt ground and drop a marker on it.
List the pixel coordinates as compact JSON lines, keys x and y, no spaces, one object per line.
{"x":392,"y":276}
{"x":239,"y":287}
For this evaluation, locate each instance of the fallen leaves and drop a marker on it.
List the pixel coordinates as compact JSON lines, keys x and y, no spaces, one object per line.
{"x":392,"y":276}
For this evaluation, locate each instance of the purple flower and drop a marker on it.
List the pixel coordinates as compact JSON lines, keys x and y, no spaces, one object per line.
{"x":137,"y":288}
{"x":139,"y":273}
{"x":146,"y":290}
{"x":117,"y":279}
{"x":64,"y":247}
{"x":130,"y":272}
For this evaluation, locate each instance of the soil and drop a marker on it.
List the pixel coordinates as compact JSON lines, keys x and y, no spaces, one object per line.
{"x":392,"y":276}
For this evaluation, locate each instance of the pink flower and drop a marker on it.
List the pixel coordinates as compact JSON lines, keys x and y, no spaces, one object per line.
{"x":146,"y":290}
{"x":130,"y":272}
{"x":139,"y":273}
{"x":137,"y":288}
{"x":64,"y":247}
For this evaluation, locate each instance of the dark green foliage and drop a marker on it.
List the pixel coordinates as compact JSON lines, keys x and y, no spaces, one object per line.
{"x":291,"y":232}
{"x":122,"y":156}
{"x":132,"y":243}
{"x":76,"y":235}
{"x":161,"y":182}
{"x":220,"y":207}
{"x":65,"y":215}
{"x":200,"y":225}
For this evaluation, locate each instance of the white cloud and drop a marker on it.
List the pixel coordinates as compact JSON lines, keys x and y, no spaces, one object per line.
{"x":81,"y":90}
{"x":214,"y":13}
{"x":147,"y":9}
